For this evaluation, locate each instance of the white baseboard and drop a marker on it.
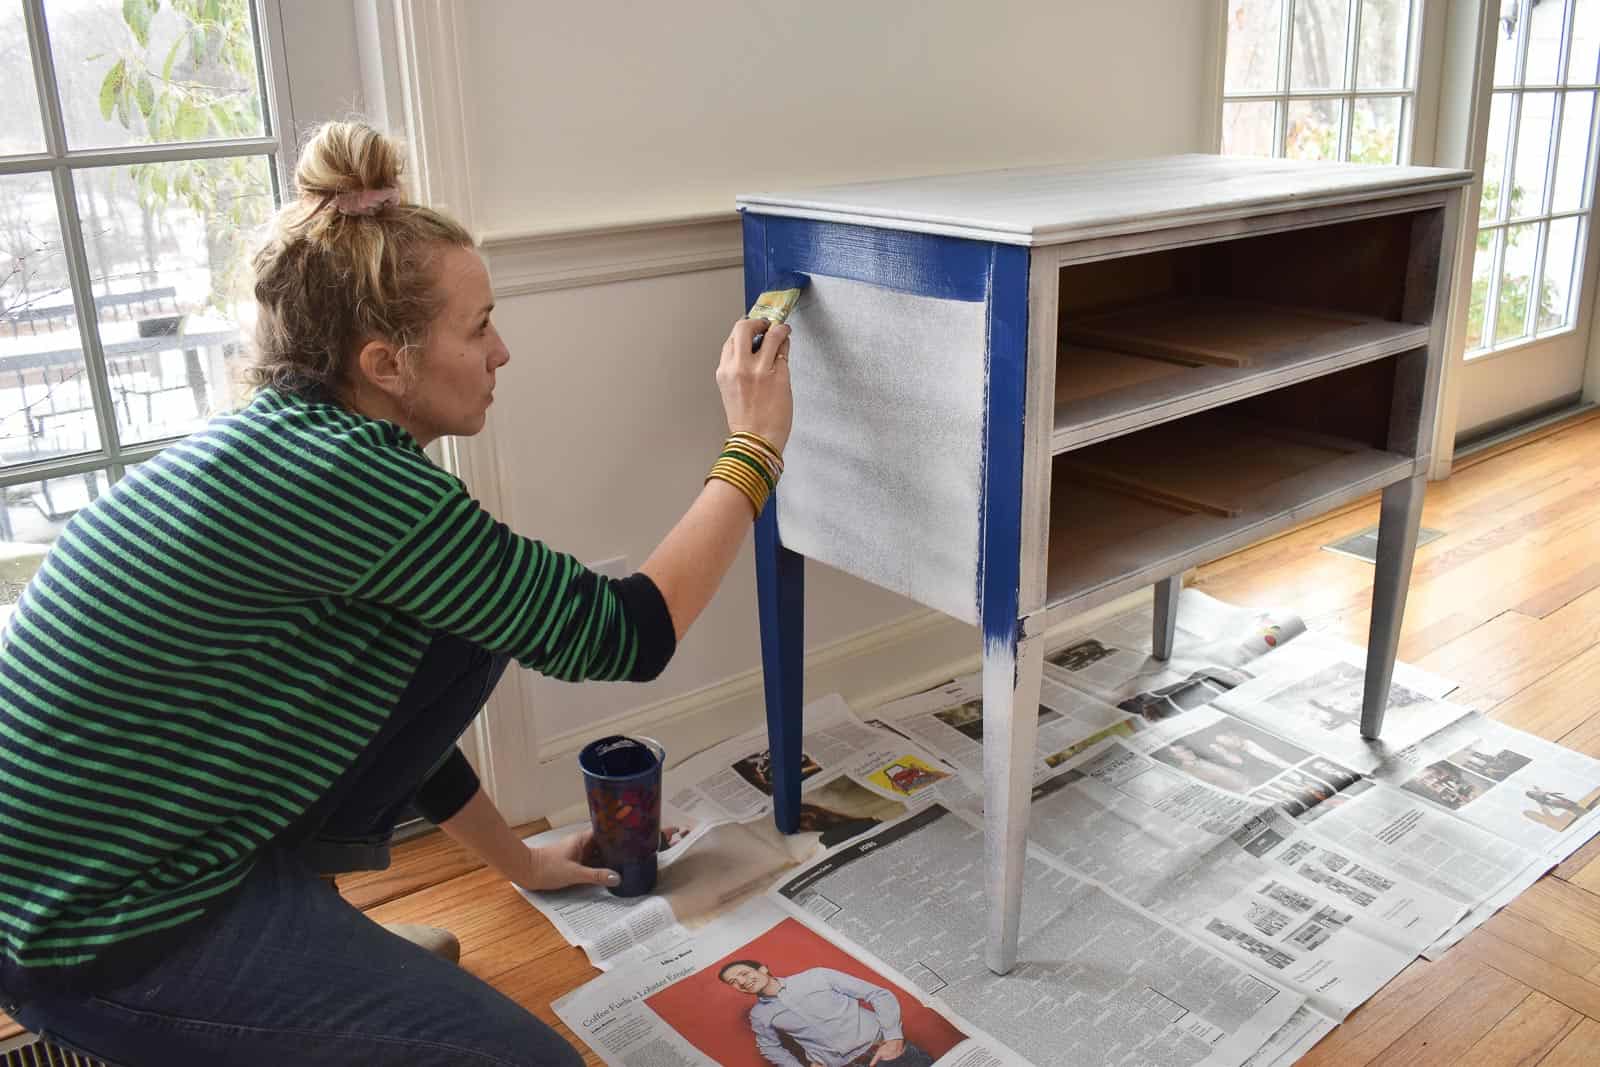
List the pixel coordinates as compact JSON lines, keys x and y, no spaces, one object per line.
{"x":867,"y":669}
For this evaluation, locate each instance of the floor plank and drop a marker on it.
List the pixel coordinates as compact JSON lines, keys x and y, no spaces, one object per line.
{"x":1567,"y":910}
{"x":1457,"y":1023}
{"x":1510,"y":926}
{"x":1574,"y":865}
{"x":1524,"y":1036}
{"x":1579,"y":994}
{"x":1512,"y":651}
{"x":428,"y":860}
{"x":1577,"y":1049}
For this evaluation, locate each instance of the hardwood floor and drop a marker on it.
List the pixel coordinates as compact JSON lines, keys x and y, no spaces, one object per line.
{"x":1508,"y":604}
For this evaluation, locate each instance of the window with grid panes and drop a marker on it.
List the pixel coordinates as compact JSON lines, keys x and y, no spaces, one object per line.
{"x":137,"y":153}
{"x":1537,"y":176}
{"x":1321,"y":79}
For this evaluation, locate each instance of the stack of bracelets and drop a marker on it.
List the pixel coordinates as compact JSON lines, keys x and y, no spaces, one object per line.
{"x":751,"y":465}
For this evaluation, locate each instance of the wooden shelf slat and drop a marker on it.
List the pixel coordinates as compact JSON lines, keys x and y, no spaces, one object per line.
{"x":1100,"y":394}
{"x":1104,"y":542}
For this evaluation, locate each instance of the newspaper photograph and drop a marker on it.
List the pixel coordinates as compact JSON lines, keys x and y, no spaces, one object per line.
{"x":1099,"y":980}
{"x":762,"y":988}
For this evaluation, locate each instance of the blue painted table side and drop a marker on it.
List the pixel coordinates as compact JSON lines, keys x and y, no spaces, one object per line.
{"x":921,"y":265}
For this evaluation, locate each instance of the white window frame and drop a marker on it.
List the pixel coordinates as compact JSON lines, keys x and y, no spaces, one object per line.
{"x":61,"y":163}
{"x":1348,"y":95}
{"x":1516,"y":90}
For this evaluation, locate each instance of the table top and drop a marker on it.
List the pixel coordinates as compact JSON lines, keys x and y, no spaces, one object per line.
{"x":1058,"y":203}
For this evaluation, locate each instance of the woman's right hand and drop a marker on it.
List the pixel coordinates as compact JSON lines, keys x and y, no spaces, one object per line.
{"x":755,"y":382}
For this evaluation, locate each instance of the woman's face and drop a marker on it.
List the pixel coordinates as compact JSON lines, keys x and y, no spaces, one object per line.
{"x":453,"y":382}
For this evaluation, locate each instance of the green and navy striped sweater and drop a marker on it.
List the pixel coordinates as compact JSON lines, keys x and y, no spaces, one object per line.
{"x":212,"y":643}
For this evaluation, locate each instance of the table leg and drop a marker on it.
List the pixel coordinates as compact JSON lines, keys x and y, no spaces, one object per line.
{"x":780,"y":592}
{"x":1166,"y":616}
{"x":1011,"y":673}
{"x":1398,"y":521}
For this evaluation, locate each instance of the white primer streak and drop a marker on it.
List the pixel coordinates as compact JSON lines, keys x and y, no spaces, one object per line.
{"x":882,"y":470}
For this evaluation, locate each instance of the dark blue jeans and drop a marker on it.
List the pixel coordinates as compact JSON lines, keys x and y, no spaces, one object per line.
{"x":286,"y":972}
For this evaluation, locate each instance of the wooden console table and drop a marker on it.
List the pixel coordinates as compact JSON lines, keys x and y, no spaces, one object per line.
{"x":1023,"y":393}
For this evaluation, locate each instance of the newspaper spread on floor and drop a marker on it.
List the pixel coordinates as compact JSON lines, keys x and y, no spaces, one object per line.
{"x":856,"y":776}
{"x":1219,"y":808}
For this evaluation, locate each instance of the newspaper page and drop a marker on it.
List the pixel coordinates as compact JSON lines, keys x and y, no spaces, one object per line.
{"x":1098,"y":979}
{"x":1516,"y":786}
{"x":1310,"y":692}
{"x":761,"y":988}
{"x":1234,"y":871}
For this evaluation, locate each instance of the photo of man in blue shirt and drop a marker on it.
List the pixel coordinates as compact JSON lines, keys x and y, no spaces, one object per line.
{"x":835,"y":1019}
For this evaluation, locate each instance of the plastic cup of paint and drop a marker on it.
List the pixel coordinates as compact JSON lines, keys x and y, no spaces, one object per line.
{"x":622,"y":780}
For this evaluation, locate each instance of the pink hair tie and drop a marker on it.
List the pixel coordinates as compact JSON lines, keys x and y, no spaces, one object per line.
{"x":365,"y":201}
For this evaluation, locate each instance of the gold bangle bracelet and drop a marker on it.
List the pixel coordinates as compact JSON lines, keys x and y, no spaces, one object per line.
{"x":754,"y":462}
{"x":760,"y":442}
{"x":740,"y":473}
{"x":756,"y":502}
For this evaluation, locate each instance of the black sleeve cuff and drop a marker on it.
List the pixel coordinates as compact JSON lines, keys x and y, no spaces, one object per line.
{"x":646,"y":611}
{"x":447,"y":790}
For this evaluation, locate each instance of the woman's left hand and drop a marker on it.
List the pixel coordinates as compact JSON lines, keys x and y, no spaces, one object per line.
{"x":562,"y":864}
{"x":566,"y":862}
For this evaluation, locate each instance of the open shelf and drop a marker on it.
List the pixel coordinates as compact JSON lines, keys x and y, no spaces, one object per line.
{"x":1147,"y":363}
{"x":1147,"y":505}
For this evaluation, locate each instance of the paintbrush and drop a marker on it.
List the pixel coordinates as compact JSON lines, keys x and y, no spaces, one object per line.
{"x":774,"y":305}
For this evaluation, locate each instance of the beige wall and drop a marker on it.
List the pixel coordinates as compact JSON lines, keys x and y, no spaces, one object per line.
{"x":606,"y":110}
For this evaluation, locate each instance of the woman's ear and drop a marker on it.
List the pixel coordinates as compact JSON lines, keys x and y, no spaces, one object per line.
{"x":379,"y":363}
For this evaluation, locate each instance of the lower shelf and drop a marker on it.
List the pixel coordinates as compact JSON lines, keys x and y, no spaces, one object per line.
{"x":1140,"y":508}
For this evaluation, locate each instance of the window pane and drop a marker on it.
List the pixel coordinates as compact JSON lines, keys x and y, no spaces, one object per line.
{"x":21,"y":128}
{"x":1494,"y":158}
{"x":46,"y":407}
{"x":1511,"y":306}
{"x":31,"y":515}
{"x":1248,"y":128}
{"x":1320,"y":30}
{"x":171,"y":279}
{"x":1385,"y":28}
{"x":1556,"y":296}
{"x":1508,"y":37}
{"x":1573,"y":153}
{"x":1253,"y":39}
{"x":1543,"y":65}
{"x":1375,"y":134}
{"x":138,"y":72}
{"x":1313,"y":131}
{"x":1482,"y":268}
{"x":1585,"y":42}
{"x":1533,"y":154}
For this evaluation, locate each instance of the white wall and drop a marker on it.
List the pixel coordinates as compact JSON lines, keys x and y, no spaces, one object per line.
{"x":568,"y":117}
{"x":584,"y":112}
